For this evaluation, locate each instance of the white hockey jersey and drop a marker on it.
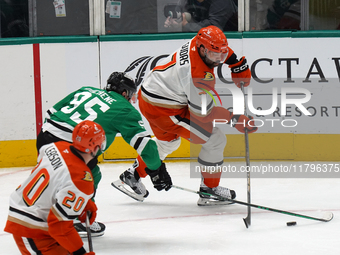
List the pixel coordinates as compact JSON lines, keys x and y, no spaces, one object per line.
{"x":57,"y":190}
{"x":178,"y":83}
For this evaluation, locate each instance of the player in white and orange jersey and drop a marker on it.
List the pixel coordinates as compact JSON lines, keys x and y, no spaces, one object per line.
{"x":170,"y":99}
{"x":58,"y":190}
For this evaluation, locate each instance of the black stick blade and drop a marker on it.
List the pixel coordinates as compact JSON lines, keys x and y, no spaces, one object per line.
{"x":245,"y":222}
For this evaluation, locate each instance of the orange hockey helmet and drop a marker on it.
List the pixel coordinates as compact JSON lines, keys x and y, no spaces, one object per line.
{"x":215,"y":43}
{"x":87,"y":136}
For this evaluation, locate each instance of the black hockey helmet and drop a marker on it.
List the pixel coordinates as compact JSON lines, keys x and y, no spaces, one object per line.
{"x":120,"y":82}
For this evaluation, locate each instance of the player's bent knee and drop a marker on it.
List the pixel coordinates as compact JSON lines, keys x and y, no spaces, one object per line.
{"x":217,"y":140}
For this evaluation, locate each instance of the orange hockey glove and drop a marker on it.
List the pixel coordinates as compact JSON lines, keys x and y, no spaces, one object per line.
{"x":242,"y":122}
{"x":91,"y":206}
{"x":240,"y":73}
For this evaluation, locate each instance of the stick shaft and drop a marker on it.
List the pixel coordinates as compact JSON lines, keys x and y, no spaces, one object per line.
{"x":246,"y":139}
{"x":256,"y":206}
{"x":88,"y":230}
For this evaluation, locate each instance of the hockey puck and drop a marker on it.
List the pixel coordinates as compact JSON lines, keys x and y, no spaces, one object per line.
{"x":291,"y":223}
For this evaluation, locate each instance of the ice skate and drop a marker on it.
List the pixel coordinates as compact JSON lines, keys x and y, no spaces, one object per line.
{"x":206,"y":200}
{"x":135,"y":182}
{"x":97,"y":229}
{"x":131,"y":179}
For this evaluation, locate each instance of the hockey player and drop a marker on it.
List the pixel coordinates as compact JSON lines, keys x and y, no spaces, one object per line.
{"x":59,"y":189}
{"x":170,"y":100}
{"x":111,"y":108}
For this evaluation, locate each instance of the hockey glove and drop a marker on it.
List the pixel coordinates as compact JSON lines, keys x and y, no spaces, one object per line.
{"x":240,"y":73}
{"x":160,"y":178}
{"x":90,"y":253}
{"x":242,"y":122}
{"x":91,"y":206}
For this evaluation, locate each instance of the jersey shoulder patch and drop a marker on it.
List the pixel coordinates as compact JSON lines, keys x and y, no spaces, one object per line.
{"x":202,"y":75}
{"x":82,"y":178}
{"x":209,"y":76}
{"x":88,"y":177}
{"x":80,"y":173}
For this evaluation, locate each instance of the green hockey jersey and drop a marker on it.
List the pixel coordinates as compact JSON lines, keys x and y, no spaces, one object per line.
{"x":109,"y":109}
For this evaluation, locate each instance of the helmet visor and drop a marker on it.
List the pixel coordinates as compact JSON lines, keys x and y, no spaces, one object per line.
{"x":131,"y":94}
{"x":216,"y":57}
{"x":103,"y":145}
{"x":133,"y":99}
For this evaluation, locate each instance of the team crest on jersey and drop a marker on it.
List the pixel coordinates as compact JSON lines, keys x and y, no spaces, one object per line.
{"x":209,"y":76}
{"x":88,"y":177}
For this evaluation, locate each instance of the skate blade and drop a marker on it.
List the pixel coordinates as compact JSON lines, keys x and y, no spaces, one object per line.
{"x":121,"y":186}
{"x":84,"y":234}
{"x":212,"y":202}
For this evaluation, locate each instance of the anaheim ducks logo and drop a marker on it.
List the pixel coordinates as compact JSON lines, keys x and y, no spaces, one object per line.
{"x":88,"y":177}
{"x":208,"y":76}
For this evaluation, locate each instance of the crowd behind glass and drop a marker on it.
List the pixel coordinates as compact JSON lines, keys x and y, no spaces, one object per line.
{"x":30,"y":18}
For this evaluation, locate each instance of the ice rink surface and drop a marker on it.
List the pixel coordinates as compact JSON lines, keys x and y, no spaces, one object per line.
{"x":172,"y":223}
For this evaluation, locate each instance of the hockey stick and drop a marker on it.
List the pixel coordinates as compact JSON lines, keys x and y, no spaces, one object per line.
{"x":327,"y":218}
{"x":88,"y":230}
{"x":247,"y":220}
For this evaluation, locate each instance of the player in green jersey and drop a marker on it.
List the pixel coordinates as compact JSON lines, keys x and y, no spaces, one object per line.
{"x":110,"y":108}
